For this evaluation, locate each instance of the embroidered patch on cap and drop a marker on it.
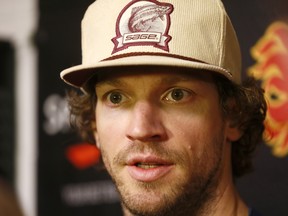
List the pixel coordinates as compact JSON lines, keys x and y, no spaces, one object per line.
{"x":143,"y":22}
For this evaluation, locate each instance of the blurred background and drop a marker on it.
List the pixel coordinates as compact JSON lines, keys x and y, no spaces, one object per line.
{"x":46,"y":170}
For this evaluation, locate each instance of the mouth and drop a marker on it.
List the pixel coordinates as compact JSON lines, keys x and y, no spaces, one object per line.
{"x":147,"y":165}
{"x":148,"y":168}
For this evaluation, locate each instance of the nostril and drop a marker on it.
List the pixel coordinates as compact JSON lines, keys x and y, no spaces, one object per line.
{"x":156,"y":137}
{"x":147,"y":137}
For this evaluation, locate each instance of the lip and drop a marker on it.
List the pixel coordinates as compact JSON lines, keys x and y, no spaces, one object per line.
{"x":148,"y":168}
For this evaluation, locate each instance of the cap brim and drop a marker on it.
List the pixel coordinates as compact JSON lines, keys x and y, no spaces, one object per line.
{"x":78,"y":75}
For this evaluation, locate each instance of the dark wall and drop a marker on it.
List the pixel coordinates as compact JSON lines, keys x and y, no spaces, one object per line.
{"x":266,"y":188}
{"x":7,"y":109}
{"x":67,"y":184}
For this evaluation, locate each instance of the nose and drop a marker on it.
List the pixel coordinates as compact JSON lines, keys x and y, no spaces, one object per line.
{"x":145,"y":123}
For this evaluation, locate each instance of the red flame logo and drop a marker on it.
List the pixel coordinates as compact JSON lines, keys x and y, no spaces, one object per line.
{"x":83,"y":155}
{"x":271,"y":55}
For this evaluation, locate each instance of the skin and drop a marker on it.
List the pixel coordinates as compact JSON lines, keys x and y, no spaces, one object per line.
{"x":166,"y":143}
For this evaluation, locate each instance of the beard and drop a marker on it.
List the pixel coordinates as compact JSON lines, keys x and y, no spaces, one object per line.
{"x":191,"y":195}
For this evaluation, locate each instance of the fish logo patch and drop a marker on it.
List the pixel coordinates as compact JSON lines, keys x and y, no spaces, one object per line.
{"x":143,"y":23}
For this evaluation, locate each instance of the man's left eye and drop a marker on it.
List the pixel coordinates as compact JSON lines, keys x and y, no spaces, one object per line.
{"x":176,"y":95}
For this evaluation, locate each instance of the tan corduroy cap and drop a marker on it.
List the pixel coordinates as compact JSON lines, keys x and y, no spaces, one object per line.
{"x":186,"y":33}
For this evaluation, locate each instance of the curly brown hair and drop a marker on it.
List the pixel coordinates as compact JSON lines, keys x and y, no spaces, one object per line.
{"x":247,"y":113}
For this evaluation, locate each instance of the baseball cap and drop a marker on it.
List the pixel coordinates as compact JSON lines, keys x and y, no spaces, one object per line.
{"x":194,"y":34}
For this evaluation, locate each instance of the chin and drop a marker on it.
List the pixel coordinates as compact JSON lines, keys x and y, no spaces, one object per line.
{"x":151,"y":199}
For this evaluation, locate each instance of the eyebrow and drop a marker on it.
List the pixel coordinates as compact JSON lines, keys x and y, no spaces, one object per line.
{"x":111,"y":82}
{"x":164,"y":80}
{"x":168,"y":80}
{"x":177,"y":79}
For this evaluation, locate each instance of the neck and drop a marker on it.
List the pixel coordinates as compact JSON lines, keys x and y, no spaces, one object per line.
{"x":228,"y":203}
{"x":227,"y":200}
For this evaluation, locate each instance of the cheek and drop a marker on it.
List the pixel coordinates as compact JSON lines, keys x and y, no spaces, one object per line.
{"x":195,"y":132}
{"x":202,"y":143}
{"x":109,"y":129}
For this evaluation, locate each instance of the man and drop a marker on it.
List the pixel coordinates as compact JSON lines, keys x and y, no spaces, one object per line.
{"x":164,"y":102}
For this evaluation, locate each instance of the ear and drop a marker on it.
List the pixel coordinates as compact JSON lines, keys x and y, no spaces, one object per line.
{"x":233,"y":132}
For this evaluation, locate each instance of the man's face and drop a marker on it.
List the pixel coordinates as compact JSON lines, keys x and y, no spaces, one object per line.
{"x":163,"y":139}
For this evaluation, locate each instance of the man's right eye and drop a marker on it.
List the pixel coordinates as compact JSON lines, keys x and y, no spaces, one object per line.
{"x":116,"y":98}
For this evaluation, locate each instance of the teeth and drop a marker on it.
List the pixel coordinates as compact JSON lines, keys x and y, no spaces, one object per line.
{"x":146,"y":166}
